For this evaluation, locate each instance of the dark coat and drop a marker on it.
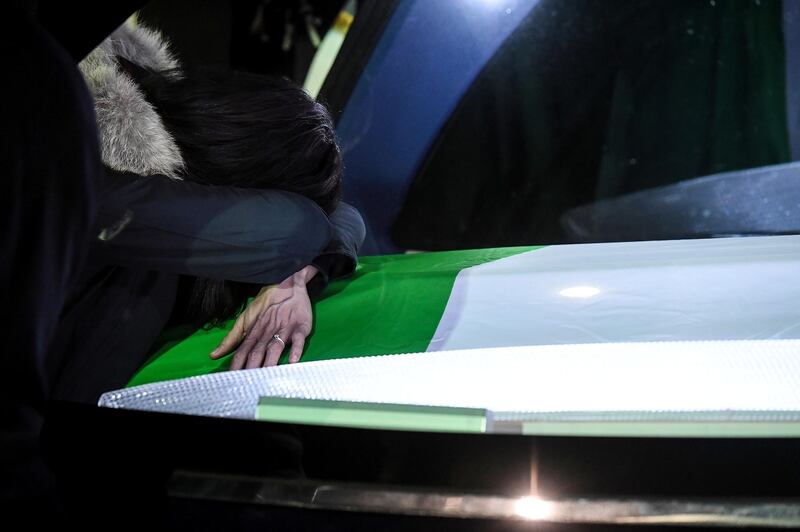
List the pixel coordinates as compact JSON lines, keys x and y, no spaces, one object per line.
{"x":172,"y":228}
{"x":153,"y":229}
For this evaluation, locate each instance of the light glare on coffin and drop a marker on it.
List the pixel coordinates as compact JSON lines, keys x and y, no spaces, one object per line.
{"x":580,"y":291}
{"x":533,"y":508}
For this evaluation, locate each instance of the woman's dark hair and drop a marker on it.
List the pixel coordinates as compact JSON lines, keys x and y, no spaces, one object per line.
{"x":245,"y":130}
{"x":249,"y":130}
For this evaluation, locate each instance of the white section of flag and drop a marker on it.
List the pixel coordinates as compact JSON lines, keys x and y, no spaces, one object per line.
{"x":710,"y":289}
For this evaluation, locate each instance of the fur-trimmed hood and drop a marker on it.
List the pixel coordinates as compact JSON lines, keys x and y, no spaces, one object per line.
{"x":132,"y":136}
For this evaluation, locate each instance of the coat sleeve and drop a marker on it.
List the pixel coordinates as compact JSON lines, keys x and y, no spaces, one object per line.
{"x":340,"y":257}
{"x":246,"y":235}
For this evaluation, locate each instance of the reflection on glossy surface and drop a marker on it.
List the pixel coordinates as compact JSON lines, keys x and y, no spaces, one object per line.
{"x":583,"y":103}
{"x":428,"y":55}
{"x":533,"y":508}
{"x":579,"y":291}
{"x":408,"y":501}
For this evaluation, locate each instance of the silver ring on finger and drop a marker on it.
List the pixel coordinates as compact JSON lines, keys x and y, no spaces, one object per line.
{"x":277,"y":337}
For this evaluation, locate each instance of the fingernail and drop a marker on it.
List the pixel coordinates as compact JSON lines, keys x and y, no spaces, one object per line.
{"x":214,"y":352}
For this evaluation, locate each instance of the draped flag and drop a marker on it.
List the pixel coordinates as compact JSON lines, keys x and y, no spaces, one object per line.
{"x":712,"y":289}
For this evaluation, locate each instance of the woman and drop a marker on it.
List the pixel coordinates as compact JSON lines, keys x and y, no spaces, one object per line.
{"x":216,"y":183}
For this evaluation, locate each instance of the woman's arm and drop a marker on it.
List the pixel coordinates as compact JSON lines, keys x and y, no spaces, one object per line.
{"x":255,"y":236}
{"x":285,"y":310}
{"x":247,"y":235}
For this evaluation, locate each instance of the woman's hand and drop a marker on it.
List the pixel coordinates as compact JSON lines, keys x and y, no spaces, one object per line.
{"x":283,"y":310}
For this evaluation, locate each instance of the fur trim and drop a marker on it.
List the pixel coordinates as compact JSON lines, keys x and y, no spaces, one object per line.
{"x":132,"y":136}
{"x":140,"y":45}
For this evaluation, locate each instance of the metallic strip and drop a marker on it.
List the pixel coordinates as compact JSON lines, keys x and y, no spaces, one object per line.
{"x":393,"y":500}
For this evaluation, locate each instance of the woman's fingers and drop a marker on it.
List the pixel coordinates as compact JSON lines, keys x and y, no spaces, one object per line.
{"x":257,"y":338}
{"x":289,"y":319}
{"x":274,"y":350}
{"x":232,"y":339}
{"x":298,"y":343}
{"x":244,"y":325}
{"x":255,"y":359}
{"x":243,"y":353}
{"x":267,"y":350}
{"x":239,"y":359}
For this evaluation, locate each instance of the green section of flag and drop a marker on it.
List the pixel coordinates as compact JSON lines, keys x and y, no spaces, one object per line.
{"x":371,"y":415}
{"x":392,"y":304}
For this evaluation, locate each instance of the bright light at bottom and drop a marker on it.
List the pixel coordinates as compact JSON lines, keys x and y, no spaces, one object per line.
{"x":533,"y":508}
{"x":579,"y":291}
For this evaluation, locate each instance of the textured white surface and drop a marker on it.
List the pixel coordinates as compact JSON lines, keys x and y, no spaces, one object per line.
{"x":756,"y":380}
{"x":710,"y":289}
